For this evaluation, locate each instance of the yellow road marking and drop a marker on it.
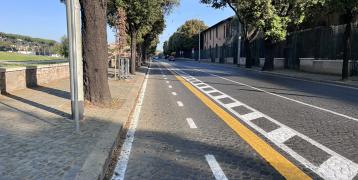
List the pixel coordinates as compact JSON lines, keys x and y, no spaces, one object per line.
{"x":285,"y":167}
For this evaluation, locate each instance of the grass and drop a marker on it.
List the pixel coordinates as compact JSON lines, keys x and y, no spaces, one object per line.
{"x":10,"y":56}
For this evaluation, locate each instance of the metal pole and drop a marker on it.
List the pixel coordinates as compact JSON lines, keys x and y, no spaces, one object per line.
{"x":75,"y":55}
{"x":199,"y":58}
{"x":239,"y":42}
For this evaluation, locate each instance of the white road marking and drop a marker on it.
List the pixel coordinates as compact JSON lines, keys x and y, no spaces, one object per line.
{"x":284,"y":97}
{"x":338,"y":168}
{"x":283,"y":133}
{"x":180,"y":104}
{"x":232,"y":105}
{"x":251,"y":116}
{"x":215,"y":167}
{"x":122,"y":163}
{"x":170,"y":86}
{"x":174,"y":93}
{"x":167,"y":82}
{"x":221,"y":96}
{"x":191,"y":123}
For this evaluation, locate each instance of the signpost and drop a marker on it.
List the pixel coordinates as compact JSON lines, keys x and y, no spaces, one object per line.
{"x":75,"y":55}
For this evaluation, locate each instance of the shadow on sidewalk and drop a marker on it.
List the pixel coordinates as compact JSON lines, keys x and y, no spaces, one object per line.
{"x":38,"y":105}
{"x":52,"y":91}
{"x":29,"y":114}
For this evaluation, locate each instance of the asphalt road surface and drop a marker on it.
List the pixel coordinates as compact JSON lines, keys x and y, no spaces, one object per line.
{"x":206,"y":121}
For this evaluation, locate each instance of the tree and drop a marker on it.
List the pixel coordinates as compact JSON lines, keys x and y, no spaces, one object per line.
{"x":140,"y":17}
{"x":117,"y":19}
{"x":273,"y":17}
{"x":95,"y":51}
{"x":186,"y":37}
{"x":349,"y":9}
{"x":62,"y":47}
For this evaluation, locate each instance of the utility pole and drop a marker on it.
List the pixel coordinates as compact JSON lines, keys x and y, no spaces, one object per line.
{"x":75,"y":55}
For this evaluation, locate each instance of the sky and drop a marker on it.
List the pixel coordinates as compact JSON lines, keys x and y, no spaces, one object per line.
{"x":47,"y":18}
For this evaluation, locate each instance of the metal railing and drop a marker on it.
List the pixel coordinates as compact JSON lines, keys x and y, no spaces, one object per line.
{"x":120,"y":67}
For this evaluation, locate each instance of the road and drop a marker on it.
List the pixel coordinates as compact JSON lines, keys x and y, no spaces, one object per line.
{"x":206,"y":121}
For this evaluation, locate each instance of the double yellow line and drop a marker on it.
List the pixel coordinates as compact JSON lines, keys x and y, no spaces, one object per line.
{"x":285,"y":167}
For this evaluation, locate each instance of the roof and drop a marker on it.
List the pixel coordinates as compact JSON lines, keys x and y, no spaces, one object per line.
{"x":218,"y":24}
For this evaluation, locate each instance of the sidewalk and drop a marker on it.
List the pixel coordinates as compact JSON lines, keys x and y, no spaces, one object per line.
{"x":38,"y":139}
{"x":324,"y":78}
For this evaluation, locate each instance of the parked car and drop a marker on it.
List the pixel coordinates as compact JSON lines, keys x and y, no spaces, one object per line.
{"x":171,"y":58}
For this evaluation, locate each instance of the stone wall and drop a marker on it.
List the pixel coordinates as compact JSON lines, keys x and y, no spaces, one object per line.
{"x":12,"y":79}
{"x":333,"y":67}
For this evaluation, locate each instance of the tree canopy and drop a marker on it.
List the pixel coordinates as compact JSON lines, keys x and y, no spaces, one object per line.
{"x":186,"y":37}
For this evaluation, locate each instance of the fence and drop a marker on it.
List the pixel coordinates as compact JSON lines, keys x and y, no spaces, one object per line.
{"x":326,"y":43}
{"x":120,"y":67}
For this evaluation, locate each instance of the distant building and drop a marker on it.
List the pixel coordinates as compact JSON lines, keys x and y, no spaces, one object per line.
{"x":220,"y":42}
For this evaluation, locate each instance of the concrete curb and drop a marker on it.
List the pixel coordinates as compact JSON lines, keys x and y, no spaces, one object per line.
{"x":303,"y":78}
{"x":96,"y":164}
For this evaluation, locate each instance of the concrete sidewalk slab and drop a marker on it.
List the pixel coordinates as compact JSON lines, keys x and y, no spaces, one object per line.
{"x":38,"y":138}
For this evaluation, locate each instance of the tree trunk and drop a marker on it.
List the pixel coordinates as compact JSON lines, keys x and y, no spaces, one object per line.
{"x":133,"y":51}
{"x":248,"y":63}
{"x":95,"y":52}
{"x":269,"y":47}
{"x":347,"y":46}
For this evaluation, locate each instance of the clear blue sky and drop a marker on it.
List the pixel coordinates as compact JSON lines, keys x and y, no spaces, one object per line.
{"x":47,"y":18}
{"x":192,"y":9}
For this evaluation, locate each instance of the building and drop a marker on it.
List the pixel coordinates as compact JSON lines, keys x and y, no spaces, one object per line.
{"x":219,"y":42}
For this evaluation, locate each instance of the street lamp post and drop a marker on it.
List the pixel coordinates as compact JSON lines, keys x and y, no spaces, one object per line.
{"x":75,"y":55}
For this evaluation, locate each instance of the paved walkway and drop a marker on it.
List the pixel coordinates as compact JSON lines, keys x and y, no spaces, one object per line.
{"x":353,"y":81}
{"x":38,"y":140}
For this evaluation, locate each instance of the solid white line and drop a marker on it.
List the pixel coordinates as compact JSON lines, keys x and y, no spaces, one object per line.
{"x":215,"y":167}
{"x":174,"y":93}
{"x":122,"y":163}
{"x":180,"y":104}
{"x":284,"y":97}
{"x":191,"y":123}
{"x":170,"y":86}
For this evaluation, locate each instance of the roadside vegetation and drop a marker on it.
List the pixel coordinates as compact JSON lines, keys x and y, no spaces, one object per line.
{"x":273,"y":19}
{"x":12,"y":56}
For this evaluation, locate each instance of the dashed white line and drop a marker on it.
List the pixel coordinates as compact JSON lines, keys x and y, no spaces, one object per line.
{"x":347,"y":169}
{"x":167,"y":82}
{"x":215,"y":167}
{"x":191,"y":123}
{"x":180,"y":104}
{"x":174,"y":93}
{"x":170,"y":86}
